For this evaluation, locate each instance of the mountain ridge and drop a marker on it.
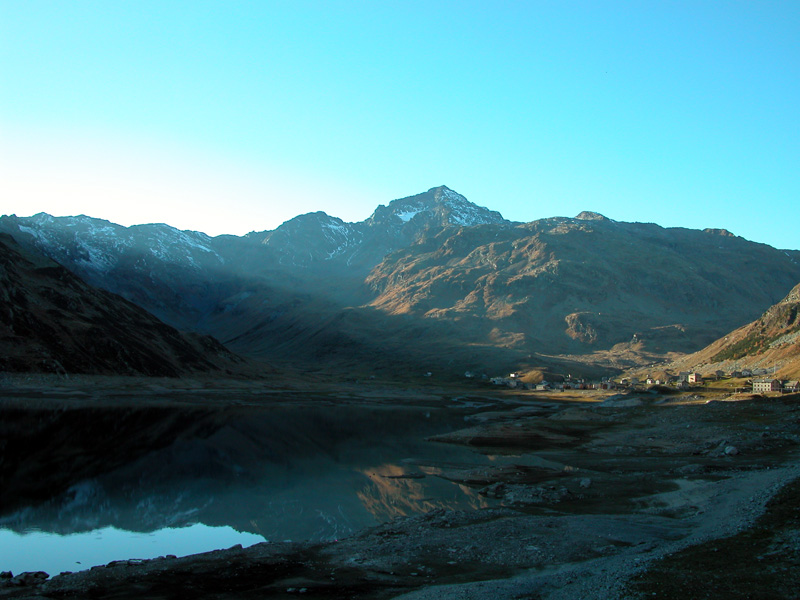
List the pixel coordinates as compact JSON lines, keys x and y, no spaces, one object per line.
{"x":318,"y":237}
{"x":492,"y":292}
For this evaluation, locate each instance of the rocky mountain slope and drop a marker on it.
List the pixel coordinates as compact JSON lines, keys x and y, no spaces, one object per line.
{"x":575,"y":285}
{"x":771,"y":341}
{"x":52,"y":321}
{"x":431,"y":282}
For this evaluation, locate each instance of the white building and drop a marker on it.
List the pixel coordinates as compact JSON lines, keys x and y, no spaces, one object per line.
{"x":761,"y":386}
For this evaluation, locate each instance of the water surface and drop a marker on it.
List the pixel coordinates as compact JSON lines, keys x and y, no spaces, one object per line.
{"x":214,"y":479}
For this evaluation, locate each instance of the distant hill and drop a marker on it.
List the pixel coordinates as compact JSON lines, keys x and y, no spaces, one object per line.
{"x":432,"y":282}
{"x":52,"y":321}
{"x":771,"y":341}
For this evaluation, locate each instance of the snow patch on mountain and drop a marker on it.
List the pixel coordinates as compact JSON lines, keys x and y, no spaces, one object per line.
{"x":340,"y":233}
{"x":31,"y":231}
{"x":454,"y":197}
{"x":339,"y":228}
{"x":195,"y":239}
{"x":406,"y":215}
{"x":442,"y":207}
{"x":177,"y":246}
{"x":466,"y":214}
{"x":97,"y":245}
{"x":98,"y":260}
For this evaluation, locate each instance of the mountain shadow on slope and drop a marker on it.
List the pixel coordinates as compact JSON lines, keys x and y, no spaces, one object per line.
{"x":52,"y":321}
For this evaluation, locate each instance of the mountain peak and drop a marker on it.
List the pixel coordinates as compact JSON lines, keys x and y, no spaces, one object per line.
{"x":443,"y":193}
{"x":439,"y":206}
{"x":588,"y":215}
{"x":722,"y":232}
{"x":311,"y":217}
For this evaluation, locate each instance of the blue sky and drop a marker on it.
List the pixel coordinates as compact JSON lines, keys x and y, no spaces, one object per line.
{"x":228,"y":117}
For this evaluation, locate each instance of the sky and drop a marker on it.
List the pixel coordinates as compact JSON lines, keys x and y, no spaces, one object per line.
{"x":232,"y":116}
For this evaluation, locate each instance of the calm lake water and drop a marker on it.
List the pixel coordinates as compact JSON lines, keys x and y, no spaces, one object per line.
{"x":295,"y":473}
{"x":55,"y":553}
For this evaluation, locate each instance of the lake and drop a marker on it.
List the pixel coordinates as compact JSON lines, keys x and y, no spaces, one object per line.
{"x":90,"y":485}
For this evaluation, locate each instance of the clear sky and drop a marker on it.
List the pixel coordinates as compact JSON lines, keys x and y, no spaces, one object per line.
{"x":233,"y":116}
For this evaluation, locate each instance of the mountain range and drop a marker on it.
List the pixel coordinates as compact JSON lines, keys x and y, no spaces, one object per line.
{"x":431,"y":282}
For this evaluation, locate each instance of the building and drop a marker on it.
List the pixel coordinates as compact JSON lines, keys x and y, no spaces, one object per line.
{"x":761,"y":386}
{"x":791,"y":387}
{"x":694,"y":378}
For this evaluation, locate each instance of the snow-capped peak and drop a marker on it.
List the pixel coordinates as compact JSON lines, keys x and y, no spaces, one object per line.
{"x":441,"y":206}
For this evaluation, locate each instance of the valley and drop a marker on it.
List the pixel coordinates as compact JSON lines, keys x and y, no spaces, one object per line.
{"x":434,"y":283}
{"x":320,"y":397}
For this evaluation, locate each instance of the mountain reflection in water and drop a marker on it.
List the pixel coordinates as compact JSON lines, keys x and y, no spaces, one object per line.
{"x":285,"y":472}
{"x":394,"y":492}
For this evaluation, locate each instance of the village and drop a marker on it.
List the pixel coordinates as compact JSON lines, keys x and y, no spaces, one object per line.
{"x":755,"y":381}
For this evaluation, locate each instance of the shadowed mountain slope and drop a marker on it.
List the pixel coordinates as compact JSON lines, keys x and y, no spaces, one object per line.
{"x":52,"y":321}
